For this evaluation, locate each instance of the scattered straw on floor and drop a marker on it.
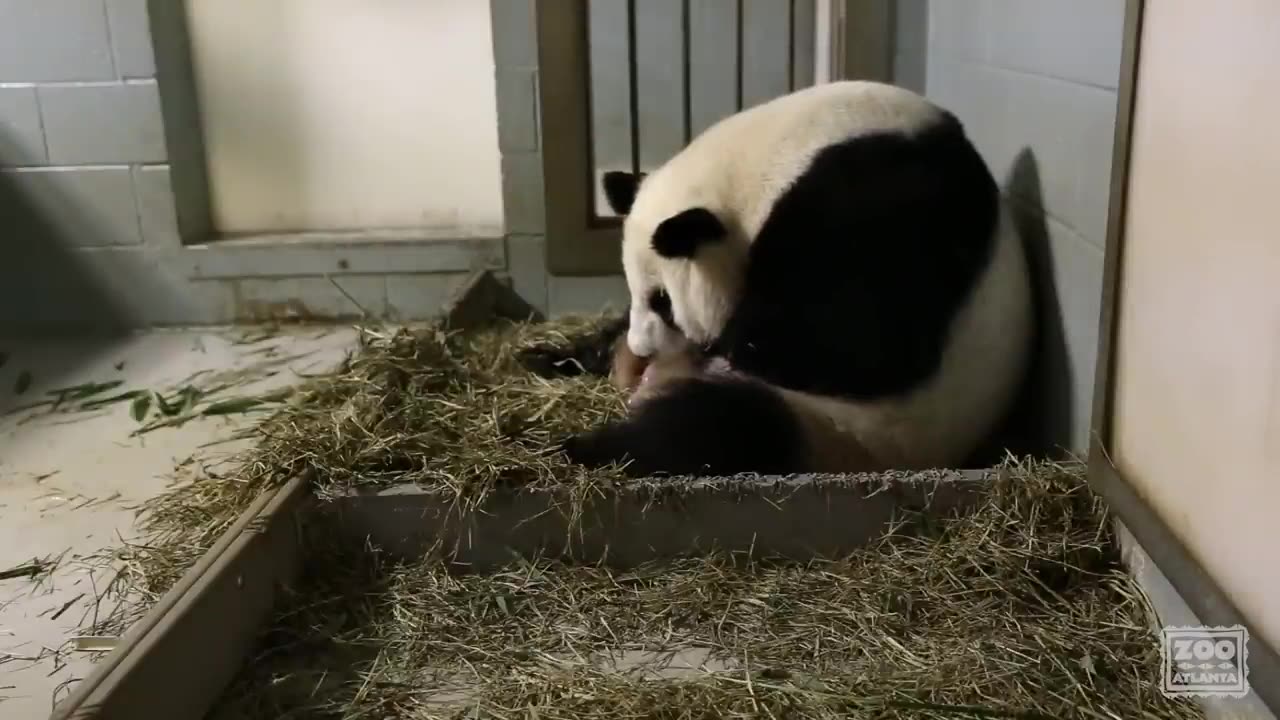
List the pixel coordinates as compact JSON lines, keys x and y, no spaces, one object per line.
{"x":1019,"y":609}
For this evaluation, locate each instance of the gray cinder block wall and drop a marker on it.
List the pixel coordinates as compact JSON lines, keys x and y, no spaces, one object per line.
{"x":1035,"y":82}
{"x":82,"y":155}
{"x":104,"y":205}
{"x":515,"y":50}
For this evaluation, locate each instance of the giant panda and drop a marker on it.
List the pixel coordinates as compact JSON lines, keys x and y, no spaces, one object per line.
{"x":847,"y":254}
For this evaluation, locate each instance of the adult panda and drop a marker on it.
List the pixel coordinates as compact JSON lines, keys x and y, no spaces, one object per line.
{"x":846,"y":252}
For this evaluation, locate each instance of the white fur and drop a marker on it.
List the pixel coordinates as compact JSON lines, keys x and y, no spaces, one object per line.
{"x":737,"y":168}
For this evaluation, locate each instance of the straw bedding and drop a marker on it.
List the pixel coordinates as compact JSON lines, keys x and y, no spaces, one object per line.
{"x":1018,"y":609}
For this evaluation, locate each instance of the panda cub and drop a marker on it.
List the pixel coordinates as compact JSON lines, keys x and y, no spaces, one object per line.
{"x":836,"y":279}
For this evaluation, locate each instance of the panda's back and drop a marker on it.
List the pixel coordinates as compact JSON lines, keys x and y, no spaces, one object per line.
{"x":742,"y":164}
{"x":883,"y":274}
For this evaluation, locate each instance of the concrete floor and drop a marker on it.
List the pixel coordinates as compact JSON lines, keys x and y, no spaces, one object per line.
{"x":69,"y":480}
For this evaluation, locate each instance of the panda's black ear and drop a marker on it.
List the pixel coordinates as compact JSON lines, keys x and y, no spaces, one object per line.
{"x":620,"y":189}
{"x":680,"y":235}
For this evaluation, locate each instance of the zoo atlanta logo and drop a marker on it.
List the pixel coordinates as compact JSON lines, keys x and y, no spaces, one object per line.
{"x":1204,"y":661}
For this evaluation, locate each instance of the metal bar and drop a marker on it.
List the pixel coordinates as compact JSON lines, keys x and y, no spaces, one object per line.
{"x":738,"y":32}
{"x":791,"y":45}
{"x":633,"y":73}
{"x":687,"y":61}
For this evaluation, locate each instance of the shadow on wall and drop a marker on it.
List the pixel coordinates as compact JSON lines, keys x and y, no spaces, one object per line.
{"x":46,"y":288}
{"x":1041,"y":422}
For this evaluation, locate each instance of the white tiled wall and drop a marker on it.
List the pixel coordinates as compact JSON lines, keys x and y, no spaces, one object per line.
{"x":1034,"y":82}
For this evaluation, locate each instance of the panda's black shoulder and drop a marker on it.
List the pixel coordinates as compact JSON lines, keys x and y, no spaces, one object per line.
{"x":864,"y":260}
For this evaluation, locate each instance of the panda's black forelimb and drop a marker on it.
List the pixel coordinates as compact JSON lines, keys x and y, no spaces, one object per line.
{"x":698,"y":426}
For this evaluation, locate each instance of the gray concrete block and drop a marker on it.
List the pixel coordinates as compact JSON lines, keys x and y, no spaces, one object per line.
{"x":517,"y":110}
{"x":420,"y":296}
{"x":572,"y":295}
{"x":54,"y":41}
{"x":1041,"y":115}
{"x":1078,"y":273}
{"x":156,"y":212}
{"x":72,"y":207}
{"x":515,"y":41}
{"x":979,"y":100}
{"x":131,"y":38}
{"x":1095,"y":141}
{"x":523,"y":193}
{"x":145,"y":290}
{"x":317,"y":254}
{"x":1071,"y":268}
{"x":66,"y":291}
{"x":21,"y":134}
{"x":1066,"y":128}
{"x":911,"y":24}
{"x":1079,"y":40}
{"x":103,"y":124}
{"x":316,"y":298}
{"x":910,"y":70}
{"x":527,"y":268}
{"x":960,"y":30}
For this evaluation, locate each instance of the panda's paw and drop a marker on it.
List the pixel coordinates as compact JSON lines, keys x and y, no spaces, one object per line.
{"x":586,"y":449}
{"x":608,"y":445}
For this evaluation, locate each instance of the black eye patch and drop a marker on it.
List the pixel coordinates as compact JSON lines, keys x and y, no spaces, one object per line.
{"x":660,"y":303}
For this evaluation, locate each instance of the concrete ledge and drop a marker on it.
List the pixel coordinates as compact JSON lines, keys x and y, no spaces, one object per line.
{"x":309,"y":254}
{"x":799,"y":517}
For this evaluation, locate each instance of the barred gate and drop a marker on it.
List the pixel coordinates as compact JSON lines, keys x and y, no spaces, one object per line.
{"x":626,"y":83}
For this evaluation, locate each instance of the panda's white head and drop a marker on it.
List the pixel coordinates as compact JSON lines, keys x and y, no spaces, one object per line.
{"x":683,"y":261}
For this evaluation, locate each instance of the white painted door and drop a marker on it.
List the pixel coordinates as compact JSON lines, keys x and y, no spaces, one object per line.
{"x":333,"y":115}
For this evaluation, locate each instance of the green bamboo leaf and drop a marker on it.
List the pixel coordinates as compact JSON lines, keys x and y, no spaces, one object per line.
{"x":141,"y":406}
{"x":231,"y":406}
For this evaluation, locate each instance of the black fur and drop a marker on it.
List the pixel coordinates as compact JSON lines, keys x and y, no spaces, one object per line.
{"x":660,"y":303}
{"x":699,"y":427}
{"x":860,"y":267}
{"x":620,"y":189}
{"x":680,"y":235}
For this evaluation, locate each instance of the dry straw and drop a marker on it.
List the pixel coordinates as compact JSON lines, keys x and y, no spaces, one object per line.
{"x":1019,"y":609}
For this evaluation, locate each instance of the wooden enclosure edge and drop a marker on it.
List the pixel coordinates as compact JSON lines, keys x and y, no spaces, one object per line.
{"x":798,"y":517}
{"x":1188,"y":578}
{"x":209,"y":619}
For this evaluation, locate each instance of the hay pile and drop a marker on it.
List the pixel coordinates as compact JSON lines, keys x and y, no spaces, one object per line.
{"x":1020,"y":609}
